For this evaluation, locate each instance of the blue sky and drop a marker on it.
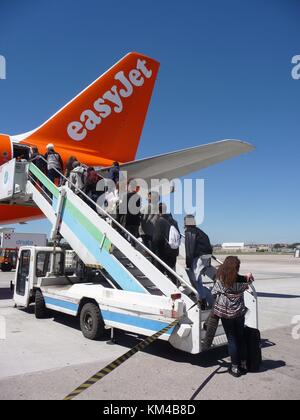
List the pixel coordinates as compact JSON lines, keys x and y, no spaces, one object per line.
{"x":225,"y":73}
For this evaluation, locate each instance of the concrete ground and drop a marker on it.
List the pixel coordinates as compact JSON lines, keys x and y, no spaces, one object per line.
{"x":47,"y":359}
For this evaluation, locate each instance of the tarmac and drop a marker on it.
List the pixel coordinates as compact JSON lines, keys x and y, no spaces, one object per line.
{"x":47,"y":359}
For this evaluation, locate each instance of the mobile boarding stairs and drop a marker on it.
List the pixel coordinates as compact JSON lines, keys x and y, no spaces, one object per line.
{"x":134,"y":295}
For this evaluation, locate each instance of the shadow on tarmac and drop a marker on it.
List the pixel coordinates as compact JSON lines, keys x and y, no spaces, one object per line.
{"x":277,"y":296}
{"x":6,"y":293}
{"x":209,"y":378}
{"x":159,"y":348}
{"x":265,"y":367}
{"x":271,"y":365}
{"x":213,"y":358}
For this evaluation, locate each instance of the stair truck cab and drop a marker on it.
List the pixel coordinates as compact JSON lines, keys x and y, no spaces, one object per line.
{"x":11,"y":241}
{"x":88,"y":294}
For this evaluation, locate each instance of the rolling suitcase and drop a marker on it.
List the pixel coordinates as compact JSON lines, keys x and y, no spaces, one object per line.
{"x":254,"y":354}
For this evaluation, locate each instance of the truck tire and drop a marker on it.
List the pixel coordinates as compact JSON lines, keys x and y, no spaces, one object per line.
{"x":6,"y":268}
{"x":91,"y":322}
{"x":40,"y":307}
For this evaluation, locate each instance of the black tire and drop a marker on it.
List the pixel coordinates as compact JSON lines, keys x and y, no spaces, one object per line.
{"x":91,"y":322}
{"x":40,"y":307}
{"x":6,"y":268}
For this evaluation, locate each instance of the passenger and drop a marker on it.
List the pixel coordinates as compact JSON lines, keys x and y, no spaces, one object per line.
{"x":78,"y":177}
{"x":54,"y":164}
{"x":129,"y":211}
{"x":38,"y":160}
{"x":69,"y":166}
{"x":21,"y":158}
{"x":149,"y":217}
{"x":198,"y":251}
{"x":230,"y":307}
{"x":91,"y":182}
{"x":114,"y":172}
{"x":166,"y":240}
{"x":112,"y":199}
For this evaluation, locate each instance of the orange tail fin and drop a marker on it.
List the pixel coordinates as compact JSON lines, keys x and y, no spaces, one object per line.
{"x":105,"y":121}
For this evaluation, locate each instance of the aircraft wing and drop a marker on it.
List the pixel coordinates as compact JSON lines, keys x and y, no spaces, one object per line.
{"x":178,"y":164}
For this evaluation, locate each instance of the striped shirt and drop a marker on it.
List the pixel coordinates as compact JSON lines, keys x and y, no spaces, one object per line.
{"x":229,"y":302}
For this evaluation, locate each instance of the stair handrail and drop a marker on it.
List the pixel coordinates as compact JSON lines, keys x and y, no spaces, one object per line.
{"x":147,"y":250}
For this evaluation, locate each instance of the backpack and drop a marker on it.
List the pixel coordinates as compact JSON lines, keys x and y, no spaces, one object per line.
{"x":203,"y":245}
{"x":92,"y":178}
{"x":53,"y":161}
{"x":174,"y":238}
{"x":78,"y":178}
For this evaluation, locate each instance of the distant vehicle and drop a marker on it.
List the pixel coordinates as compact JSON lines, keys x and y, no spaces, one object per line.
{"x":8,"y":259}
{"x":10,"y":242}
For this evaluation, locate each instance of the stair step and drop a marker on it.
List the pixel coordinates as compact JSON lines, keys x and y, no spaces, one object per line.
{"x":136,"y":273}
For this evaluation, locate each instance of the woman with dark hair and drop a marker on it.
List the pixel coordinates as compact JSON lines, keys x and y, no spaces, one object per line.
{"x":91,"y":183}
{"x":230,"y":307}
{"x":69,"y":166}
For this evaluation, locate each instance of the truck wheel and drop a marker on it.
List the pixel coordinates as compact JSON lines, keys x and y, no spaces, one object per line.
{"x":91,"y":322}
{"x":40,"y":307}
{"x":6,"y":267}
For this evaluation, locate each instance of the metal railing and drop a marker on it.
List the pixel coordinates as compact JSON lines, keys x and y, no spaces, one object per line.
{"x":132,"y":237}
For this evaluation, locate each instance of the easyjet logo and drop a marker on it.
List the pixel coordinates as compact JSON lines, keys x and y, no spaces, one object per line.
{"x":110,"y":102}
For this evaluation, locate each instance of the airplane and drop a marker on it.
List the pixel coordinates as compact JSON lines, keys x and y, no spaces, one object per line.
{"x":103,"y":124}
